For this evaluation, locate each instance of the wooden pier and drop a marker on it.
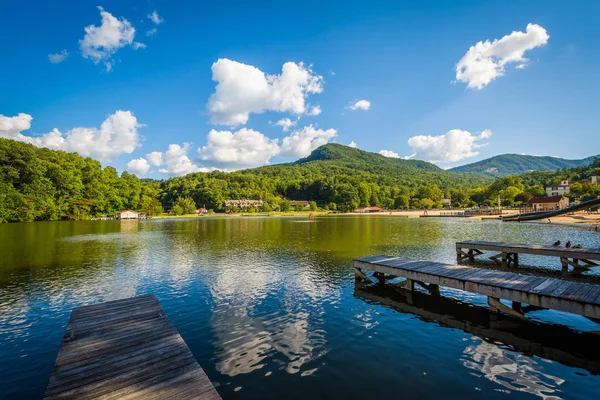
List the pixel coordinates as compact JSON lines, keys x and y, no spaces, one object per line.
{"x":126,"y":349}
{"x":553,"y":342}
{"x":579,"y":259}
{"x":574,"y":297}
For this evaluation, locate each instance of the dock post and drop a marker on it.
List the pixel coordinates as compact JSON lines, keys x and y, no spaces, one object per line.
{"x":360,"y":276}
{"x":515,"y":259}
{"x":410,"y":285}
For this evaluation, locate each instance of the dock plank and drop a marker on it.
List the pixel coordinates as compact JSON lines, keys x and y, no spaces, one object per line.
{"x":545,"y":292}
{"x":127,"y":349}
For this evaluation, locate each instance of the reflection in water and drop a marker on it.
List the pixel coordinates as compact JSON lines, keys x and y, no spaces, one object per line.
{"x":267,"y":307}
{"x":514,"y":368}
{"x":511,"y":370}
{"x":258,"y":316}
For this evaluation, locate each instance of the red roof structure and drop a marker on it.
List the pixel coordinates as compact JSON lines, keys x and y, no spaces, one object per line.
{"x":546,"y":200}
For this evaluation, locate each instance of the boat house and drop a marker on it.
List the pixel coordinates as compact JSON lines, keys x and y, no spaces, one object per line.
{"x":303,"y":203}
{"x":549,"y":203}
{"x":127,"y":214}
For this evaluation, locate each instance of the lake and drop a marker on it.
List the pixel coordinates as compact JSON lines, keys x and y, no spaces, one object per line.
{"x":269,"y":307}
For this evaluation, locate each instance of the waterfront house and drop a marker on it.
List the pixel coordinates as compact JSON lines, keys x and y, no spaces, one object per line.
{"x":369,"y":209}
{"x":243,"y":204}
{"x":202,"y":211}
{"x":127,"y":214}
{"x":558,"y":189}
{"x":549,"y":203}
{"x":303,"y":203}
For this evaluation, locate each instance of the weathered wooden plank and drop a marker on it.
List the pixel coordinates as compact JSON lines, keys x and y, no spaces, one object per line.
{"x":126,"y":349}
{"x":590,"y":254}
{"x":539,"y":291}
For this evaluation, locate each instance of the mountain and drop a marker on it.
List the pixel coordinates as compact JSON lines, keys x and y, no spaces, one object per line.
{"x":514,"y":164}
{"x":342,"y":161}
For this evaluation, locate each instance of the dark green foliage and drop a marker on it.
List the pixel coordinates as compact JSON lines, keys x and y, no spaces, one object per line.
{"x":331,"y":174}
{"x":41,"y":184}
{"x":514,"y":164}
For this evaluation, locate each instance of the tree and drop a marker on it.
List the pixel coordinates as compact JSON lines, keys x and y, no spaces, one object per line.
{"x":298,"y":207}
{"x":313,"y":206}
{"x":185,"y":205}
{"x":285,"y":205}
{"x":401,"y":202}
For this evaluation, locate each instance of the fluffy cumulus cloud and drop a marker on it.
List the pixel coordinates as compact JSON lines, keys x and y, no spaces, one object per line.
{"x":138,"y":166}
{"x":353,"y":145}
{"x":101,"y":42}
{"x":485,"y":61}
{"x":155,"y":158}
{"x":176,"y":162}
{"x":244,"y":89}
{"x":117,"y":134}
{"x":360,"y":105}
{"x":454,"y":145}
{"x":389,"y":153}
{"x":57,"y":58}
{"x":301,"y":142}
{"x":286,"y":124}
{"x":243,"y":148}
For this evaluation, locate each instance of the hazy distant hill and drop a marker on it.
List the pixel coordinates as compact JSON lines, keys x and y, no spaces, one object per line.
{"x":514,"y":164}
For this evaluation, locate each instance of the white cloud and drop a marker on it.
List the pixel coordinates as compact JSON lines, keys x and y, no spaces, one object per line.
{"x":138,"y":45}
{"x":389,"y":153}
{"x":117,"y":134}
{"x":243,"y":89}
{"x":286,"y":124}
{"x":301,"y":142}
{"x":353,"y":145}
{"x":152,"y":32}
{"x":454,"y":145}
{"x":101,"y":42}
{"x":485,"y":61}
{"x":57,"y":58}
{"x":138,"y":166}
{"x":361,"y":105}
{"x":155,"y":158}
{"x":314,"y":111}
{"x":154,"y":17}
{"x":243,"y":148}
{"x":178,"y":163}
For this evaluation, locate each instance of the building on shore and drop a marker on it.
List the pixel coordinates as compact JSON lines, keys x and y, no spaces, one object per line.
{"x":303,"y":203}
{"x":367,"y":210}
{"x":558,"y":189}
{"x":550,"y":203}
{"x":202,"y":211}
{"x":244,"y":204}
{"x":127,"y":214}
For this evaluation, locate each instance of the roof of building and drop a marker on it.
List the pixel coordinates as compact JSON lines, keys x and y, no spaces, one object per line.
{"x":122,"y":211}
{"x":546,"y":200}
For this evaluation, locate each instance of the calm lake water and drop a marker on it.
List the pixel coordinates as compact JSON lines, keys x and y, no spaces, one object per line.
{"x":269,"y":307}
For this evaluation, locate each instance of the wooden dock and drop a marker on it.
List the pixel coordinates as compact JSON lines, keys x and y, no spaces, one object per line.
{"x":574,"y":297}
{"x":553,"y":342}
{"x":579,"y":259}
{"x":126,"y":349}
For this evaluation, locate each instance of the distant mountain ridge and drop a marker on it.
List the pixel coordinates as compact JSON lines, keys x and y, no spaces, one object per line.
{"x":515,"y":164}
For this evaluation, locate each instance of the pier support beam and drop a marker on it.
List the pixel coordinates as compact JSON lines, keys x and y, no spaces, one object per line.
{"x":496,"y":306}
{"x":360,"y":276}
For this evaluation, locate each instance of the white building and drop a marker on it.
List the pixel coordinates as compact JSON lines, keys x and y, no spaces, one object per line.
{"x":558,"y":189}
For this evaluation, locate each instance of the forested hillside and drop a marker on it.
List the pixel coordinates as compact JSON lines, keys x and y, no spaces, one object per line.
{"x":332,"y":175}
{"x":515,"y":164}
{"x":41,"y":184}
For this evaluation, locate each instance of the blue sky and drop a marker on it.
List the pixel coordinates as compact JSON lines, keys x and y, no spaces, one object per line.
{"x":534,"y":92}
